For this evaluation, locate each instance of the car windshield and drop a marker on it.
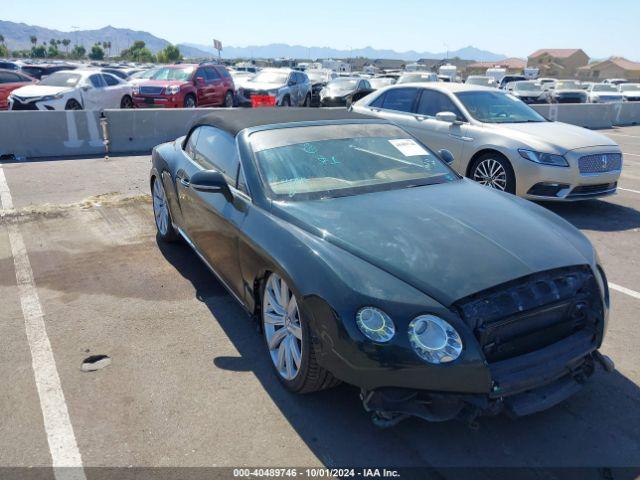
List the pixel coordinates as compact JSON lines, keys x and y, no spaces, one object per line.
{"x":498,"y":107}
{"x":527,"y":86}
{"x":415,"y":77}
{"x":167,"y":73}
{"x":343,"y":83}
{"x":484,"y":81}
{"x":567,"y":85}
{"x":629,"y":87}
{"x":604,"y":88}
{"x":314,"y":162}
{"x":267,"y":76}
{"x":381,"y":82}
{"x":61,"y":79}
{"x":144,"y":74}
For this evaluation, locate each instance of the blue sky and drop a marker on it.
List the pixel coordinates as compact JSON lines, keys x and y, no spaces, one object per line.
{"x":510,"y":27}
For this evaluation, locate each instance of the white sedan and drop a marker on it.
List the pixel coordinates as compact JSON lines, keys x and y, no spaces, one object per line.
{"x":630,"y":91}
{"x":73,"y":90}
{"x":604,"y":93}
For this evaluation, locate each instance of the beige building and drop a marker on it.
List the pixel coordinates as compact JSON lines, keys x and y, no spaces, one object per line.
{"x":614,"y":67}
{"x":512,"y":65}
{"x":558,"y":62}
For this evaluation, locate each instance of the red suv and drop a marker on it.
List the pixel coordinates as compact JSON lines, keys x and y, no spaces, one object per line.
{"x":186,"y":86}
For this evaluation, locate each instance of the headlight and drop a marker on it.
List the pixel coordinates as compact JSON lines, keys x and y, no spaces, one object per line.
{"x":172,"y":89}
{"x":375,"y":324}
{"x":136,"y":90}
{"x":543,"y":158}
{"x":434,"y":340}
{"x":48,"y":98}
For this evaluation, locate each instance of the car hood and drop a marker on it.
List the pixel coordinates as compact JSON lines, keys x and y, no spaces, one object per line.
{"x":447,"y":240}
{"x":29,"y":91}
{"x":553,"y":137}
{"x":529,"y":93}
{"x":631,"y":93}
{"x":568,"y":91}
{"x":263,"y":85}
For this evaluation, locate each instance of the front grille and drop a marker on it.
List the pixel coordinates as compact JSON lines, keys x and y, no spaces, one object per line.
{"x":147,"y":90}
{"x":532,"y":312}
{"x":18,"y":105}
{"x":633,"y":99}
{"x":600,"y":163}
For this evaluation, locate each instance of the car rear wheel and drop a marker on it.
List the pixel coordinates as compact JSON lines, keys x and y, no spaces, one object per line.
{"x":307,"y":101}
{"x":494,"y":171}
{"x":73,"y":105}
{"x":288,"y":338}
{"x":161,"y":212}
{"x":228,"y":100}
{"x":286,"y":101}
{"x":126,"y":102}
{"x":189,"y":101}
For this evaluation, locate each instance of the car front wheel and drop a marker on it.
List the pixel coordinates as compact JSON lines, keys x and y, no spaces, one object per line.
{"x":494,"y":171}
{"x":161,"y":212}
{"x":288,"y":338}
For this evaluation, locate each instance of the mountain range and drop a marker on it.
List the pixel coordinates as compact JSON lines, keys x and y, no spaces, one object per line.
{"x":17,"y":37}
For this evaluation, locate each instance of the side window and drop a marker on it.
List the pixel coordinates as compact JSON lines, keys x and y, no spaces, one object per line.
{"x":199,"y":74}
{"x":8,"y":77}
{"x":303,"y":78}
{"x":216,"y":150}
{"x":190,"y":147}
{"x":96,"y":81}
{"x":110,"y":80}
{"x":378,"y":102}
{"x":211,"y":74}
{"x":432,"y":102}
{"x":400,"y":99}
{"x":223,"y":72}
{"x":293,"y":79}
{"x":365,"y":85}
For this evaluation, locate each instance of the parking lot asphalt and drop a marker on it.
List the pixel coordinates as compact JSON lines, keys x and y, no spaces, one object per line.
{"x":190,"y":383}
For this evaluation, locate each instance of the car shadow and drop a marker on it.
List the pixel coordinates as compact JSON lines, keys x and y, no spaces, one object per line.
{"x":599,"y":427}
{"x":597,"y":215}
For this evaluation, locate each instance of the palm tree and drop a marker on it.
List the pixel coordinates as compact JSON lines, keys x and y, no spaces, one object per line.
{"x":34,"y":40}
{"x":109,"y":47}
{"x":66,"y":42}
{"x":1,"y":39}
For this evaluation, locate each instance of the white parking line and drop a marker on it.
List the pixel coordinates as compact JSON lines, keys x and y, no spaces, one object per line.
{"x":622,"y":135}
{"x":624,"y":290}
{"x":60,"y":436}
{"x":628,"y":190}
{"x":632,"y":154}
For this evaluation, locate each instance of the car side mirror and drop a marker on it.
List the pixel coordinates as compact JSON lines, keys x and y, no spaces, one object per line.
{"x":448,"y":117}
{"x":200,"y":81}
{"x":86,"y":88}
{"x":211,"y":181}
{"x":446,"y":156}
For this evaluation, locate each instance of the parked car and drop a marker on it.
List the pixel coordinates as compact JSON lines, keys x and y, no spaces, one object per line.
{"x":289,"y":87}
{"x":380,"y":82}
{"x":630,"y":91}
{"x":604,"y":93}
{"x":507,"y":79}
{"x":413,"y":77}
{"x":482,"y":80}
{"x":186,"y":86}
{"x":366,"y":259}
{"x":43,"y":70}
{"x":121,"y":74}
{"x":142,"y":76}
{"x":501,"y":142}
{"x":73,"y":90}
{"x":344,"y":91}
{"x":568,"y":91}
{"x":318,"y":79}
{"x":529,"y":92}
{"x":7,"y":65}
{"x":11,"y":80}
{"x":547,"y":83}
{"x":615,"y":81}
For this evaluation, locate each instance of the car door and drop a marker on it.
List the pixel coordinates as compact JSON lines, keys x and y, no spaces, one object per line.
{"x":396,"y":105}
{"x":293,"y":88}
{"x":113,"y":90}
{"x":94,"y":95}
{"x":211,"y":220}
{"x":202,"y":93}
{"x":215,"y":85}
{"x":434,"y":133}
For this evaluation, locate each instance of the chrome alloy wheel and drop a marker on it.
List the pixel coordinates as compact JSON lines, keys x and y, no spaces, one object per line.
{"x":282,"y":328}
{"x":491,"y":173}
{"x":160,"y":208}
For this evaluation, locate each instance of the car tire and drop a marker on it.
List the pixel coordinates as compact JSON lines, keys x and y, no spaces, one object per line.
{"x":190,"y":101}
{"x":73,"y":104}
{"x":228,"y":100}
{"x":162,"y":213}
{"x":126,"y":102}
{"x":307,"y":101}
{"x":287,"y":331}
{"x":494,"y":170}
{"x":286,"y":101}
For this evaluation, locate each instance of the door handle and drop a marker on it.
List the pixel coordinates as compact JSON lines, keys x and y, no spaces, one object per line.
{"x":185,"y":182}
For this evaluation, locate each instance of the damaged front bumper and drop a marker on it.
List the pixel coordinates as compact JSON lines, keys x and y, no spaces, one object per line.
{"x":520,"y":386}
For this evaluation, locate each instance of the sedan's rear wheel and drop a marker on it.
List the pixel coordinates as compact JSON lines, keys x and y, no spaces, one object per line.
{"x":288,"y":339}
{"x":494,"y":171}
{"x":228,"y":100}
{"x":161,"y":212}
{"x":126,"y":102}
{"x":73,"y":105}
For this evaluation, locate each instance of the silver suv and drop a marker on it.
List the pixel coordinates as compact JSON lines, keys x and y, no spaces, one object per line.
{"x":289,"y":87}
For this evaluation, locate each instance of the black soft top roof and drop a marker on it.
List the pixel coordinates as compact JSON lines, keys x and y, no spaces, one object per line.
{"x":236,"y":120}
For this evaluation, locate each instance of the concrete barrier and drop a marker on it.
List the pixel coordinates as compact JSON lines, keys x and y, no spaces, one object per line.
{"x":627,"y":113}
{"x":588,"y":115}
{"x":138,"y":131}
{"x":50,"y":134}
